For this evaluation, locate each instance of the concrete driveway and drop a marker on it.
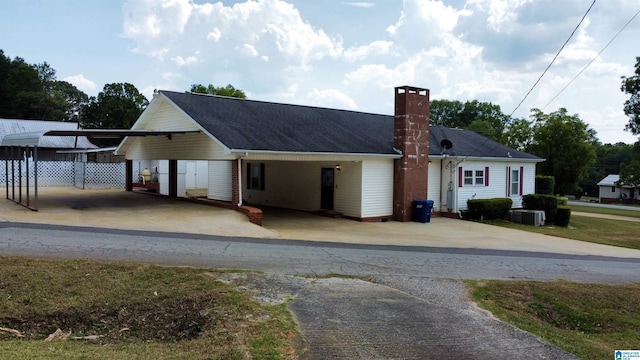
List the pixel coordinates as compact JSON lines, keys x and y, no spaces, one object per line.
{"x":119,"y":209}
{"x":399,"y":316}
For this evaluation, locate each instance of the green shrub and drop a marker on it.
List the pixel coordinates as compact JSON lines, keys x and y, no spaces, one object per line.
{"x":548,"y":203}
{"x":487,"y":209}
{"x":563,"y":201}
{"x":545,"y":184}
{"x":563,"y":216}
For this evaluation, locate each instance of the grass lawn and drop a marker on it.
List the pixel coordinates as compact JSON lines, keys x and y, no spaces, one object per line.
{"x":601,"y":210}
{"x":596,"y":230}
{"x":587,"y":320}
{"x":127,"y":311}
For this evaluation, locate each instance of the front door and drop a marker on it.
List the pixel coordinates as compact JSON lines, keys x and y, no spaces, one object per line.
{"x":326,"y":194}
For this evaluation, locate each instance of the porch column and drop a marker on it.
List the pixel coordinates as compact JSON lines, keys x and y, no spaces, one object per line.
{"x":173,"y":178}
{"x":236,"y":183}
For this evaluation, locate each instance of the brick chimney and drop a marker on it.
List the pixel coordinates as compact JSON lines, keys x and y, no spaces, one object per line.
{"x":411,"y":137}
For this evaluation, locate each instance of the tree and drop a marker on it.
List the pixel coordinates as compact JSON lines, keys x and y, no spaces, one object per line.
{"x":630,"y":173}
{"x":484,"y":118}
{"x":32,"y":92}
{"x":445,"y":113}
{"x":117,"y":106}
{"x":518,"y":134}
{"x":631,"y":86}
{"x":228,"y":90}
{"x":566,"y":144}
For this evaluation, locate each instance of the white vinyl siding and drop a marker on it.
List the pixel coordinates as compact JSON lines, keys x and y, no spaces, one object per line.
{"x":434,"y":185}
{"x":377,"y":188}
{"x":497,"y":182}
{"x":361,"y":189}
{"x":185,"y":147}
{"x":179,"y":146}
{"x":220,"y":177}
{"x":167,"y":118}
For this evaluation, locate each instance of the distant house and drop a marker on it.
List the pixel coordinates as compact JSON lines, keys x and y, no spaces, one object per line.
{"x":611,"y":192}
{"x":50,"y":148}
{"x":361,"y":165}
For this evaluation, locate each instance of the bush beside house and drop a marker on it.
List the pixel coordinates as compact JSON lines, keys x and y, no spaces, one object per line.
{"x":488,"y":209}
{"x":545,"y":184}
{"x":563,"y":216}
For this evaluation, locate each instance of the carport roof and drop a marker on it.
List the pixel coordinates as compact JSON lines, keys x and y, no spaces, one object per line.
{"x":20,"y":131}
{"x":35,"y":138}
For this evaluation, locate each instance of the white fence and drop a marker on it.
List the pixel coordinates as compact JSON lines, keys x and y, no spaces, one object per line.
{"x":66,"y":173}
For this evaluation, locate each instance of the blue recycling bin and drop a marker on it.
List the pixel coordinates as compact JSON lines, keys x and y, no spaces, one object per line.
{"x":422,"y":210}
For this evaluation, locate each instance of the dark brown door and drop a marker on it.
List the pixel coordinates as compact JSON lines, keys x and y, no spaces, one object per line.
{"x":326,"y":195}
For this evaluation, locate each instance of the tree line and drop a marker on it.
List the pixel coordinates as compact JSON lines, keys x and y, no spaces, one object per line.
{"x":573,"y":153}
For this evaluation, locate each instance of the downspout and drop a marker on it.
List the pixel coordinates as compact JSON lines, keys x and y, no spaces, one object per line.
{"x":239,"y":182}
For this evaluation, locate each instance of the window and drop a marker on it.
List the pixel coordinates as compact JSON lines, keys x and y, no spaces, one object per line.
{"x":613,"y":189}
{"x":255,"y":176}
{"x":515,"y":182}
{"x":479,"y":177}
{"x":472,"y":177}
{"x":468,"y":177}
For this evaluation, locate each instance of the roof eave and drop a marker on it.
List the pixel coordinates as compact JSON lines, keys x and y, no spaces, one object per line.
{"x":487,"y":158}
{"x":274,"y":152}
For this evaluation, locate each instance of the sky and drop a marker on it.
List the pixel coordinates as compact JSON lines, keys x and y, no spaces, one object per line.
{"x":344,"y":54}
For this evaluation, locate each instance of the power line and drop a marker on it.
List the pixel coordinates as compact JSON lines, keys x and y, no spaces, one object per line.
{"x":592,"y":60}
{"x":554,"y":58}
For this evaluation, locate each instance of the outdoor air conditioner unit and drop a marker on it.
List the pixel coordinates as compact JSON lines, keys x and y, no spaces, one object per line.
{"x":533,"y":217}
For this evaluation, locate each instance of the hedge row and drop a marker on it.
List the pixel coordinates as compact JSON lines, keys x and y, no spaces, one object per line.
{"x":487,"y":209}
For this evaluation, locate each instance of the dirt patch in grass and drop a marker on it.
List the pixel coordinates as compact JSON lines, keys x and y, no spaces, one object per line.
{"x":157,"y":319}
{"x":135,"y":311}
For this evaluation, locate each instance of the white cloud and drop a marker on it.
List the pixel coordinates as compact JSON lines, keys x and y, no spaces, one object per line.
{"x":489,"y":50}
{"x":82,"y":83}
{"x":361,"y":52}
{"x":249,"y":50}
{"x":180,"y":61}
{"x":361,"y":4}
{"x":331,"y":98}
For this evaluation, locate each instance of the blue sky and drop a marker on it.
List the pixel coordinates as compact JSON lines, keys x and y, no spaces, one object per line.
{"x":341,"y":54}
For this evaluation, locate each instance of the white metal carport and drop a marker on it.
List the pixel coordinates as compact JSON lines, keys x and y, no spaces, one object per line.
{"x":25,"y":145}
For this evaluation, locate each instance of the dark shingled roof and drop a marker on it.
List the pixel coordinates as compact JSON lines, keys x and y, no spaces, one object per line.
{"x":469,"y":143}
{"x":256,"y":125}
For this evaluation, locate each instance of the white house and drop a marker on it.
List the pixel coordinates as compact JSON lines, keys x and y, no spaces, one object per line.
{"x":611,"y":192}
{"x":361,"y":165}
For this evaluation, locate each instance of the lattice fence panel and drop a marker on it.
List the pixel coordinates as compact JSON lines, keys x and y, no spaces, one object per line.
{"x":68,"y":173}
{"x":104,"y":175}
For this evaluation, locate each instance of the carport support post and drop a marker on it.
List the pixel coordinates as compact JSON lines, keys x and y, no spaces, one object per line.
{"x":128,"y":173}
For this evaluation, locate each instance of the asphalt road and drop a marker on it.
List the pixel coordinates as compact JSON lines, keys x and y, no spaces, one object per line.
{"x":415,"y":309}
{"x":310,"y":258}
{"x":608,"y":206}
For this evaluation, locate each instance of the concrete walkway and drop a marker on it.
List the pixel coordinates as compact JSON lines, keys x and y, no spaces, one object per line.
{"x":138,"y":211}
